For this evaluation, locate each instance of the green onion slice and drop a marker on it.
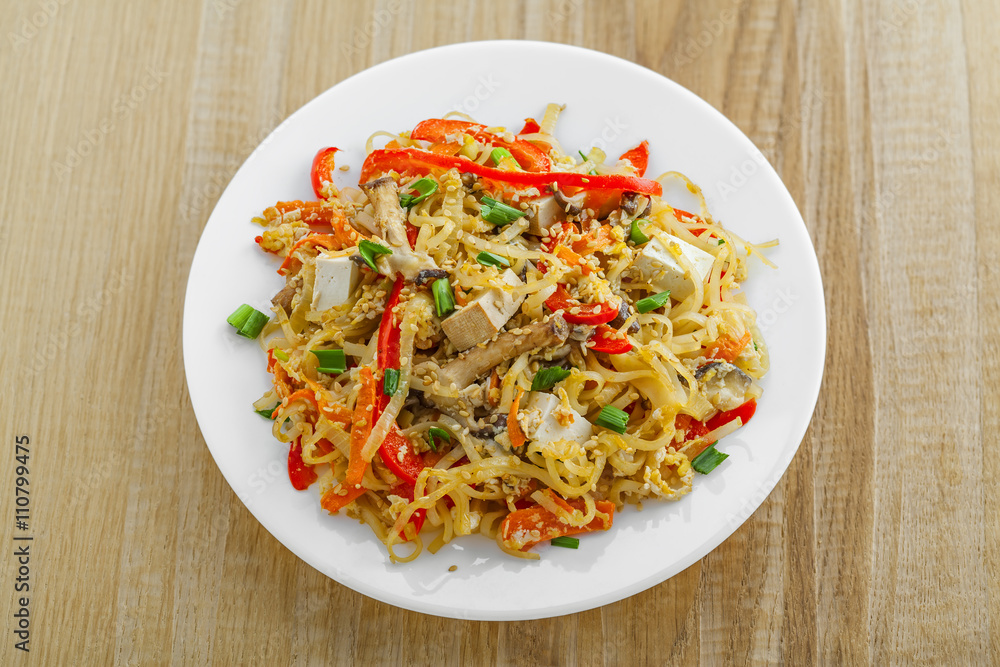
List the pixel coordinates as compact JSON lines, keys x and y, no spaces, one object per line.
{"x":425,"y":186}
{"x":499,"y":213}
{"x":368,"y":249}
{"x":248,"y":321}
{"x":635,"y":234}
{"x":332,"y":362}
{"x":653,"y":302}
{"x":708,"y":460}
{"x":267,"y":412}
{"x":566,"y":542}
{"x":390,"y":381}
{"x":546,"y":378}
{"x":279,"y":354}
{"x":489,"y":259}
{"x":592,"y":172}
{"x":435,"y":432}
{"x":444,"y":299}
{"x":612,"y":418}
{"x":499,"y":154}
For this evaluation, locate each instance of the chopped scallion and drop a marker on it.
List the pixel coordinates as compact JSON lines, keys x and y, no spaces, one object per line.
{"x":331,"y":362}
{"x":498,"y":155}
{"x":489,"y":259}
{"x":425,"y":186}
{"x":721,"y":241}
{"x":280,"y":355}
{"x":636,"y":234}
{"x":592,"y":172}
{"x":390,"y":381}
{"x":435,"y":432}
{"x":444,"y":299}
{"x":499,"y":213}
{"x":653,"y":302}
{"x":566,"y":542}
{"x":267,"y":412}
{"x":248,"y":321}
{"x":368,"y":249}
{"x":612,"y":418}
{"x":708,"y":460}
{"x":546,"y":378}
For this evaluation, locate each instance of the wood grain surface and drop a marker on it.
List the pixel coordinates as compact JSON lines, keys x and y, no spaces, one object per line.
{"x":121,"y":122}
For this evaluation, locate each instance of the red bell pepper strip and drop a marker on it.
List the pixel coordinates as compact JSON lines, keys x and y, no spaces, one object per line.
{"x":417,"y":518}
{"x":531,"y":126}
{"x":589,"y":313}
{"x":517,"y":526}
{"x":698,"y":429}
{"x":399,"y":456}
{"x":300,"y":474}
{"x":416,"y":161}
{"x":322,"y":169}
{"x":437,"y":130}
{"x":744,"y":412}
{"x":605,"y":340}
{"x":638,"y":157}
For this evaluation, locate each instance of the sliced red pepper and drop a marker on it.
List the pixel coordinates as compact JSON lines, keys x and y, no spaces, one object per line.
{"x":744,"y":412}
{"x":417,"y":518}
{"x":412,"y":232}
{"x":399,"y":456}
{"x":322,"y":169}
{"x":416,"y":161}
{"x":694,"y":427}
{"x":638,"y":156}
{"x":300,"y":474}
{"x":531,"y":126}
{"x":605,"y":340}
{"x":437,"y":130}
{"x":589,"y":313}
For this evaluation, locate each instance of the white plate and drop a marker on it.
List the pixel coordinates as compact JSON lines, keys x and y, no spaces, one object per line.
{"x":608,"y":100}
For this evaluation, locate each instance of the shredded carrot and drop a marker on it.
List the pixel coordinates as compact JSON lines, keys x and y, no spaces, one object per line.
{"x":333,"y":411}
{"x":572,"y":258}
{"x":518,"y":528}
{"x":363,"y":421}
{"x":595,"y":240}
{"x":727,"y":348}
{"x":450,"y":148}
{"x":513,"y":428}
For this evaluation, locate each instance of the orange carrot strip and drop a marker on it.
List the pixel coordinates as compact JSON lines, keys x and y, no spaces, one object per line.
{"x":351,"y":487}
{"x":513,"y":428}
{"x":572,"y":258}
{"x":517,"y":528}
{"x":595,"y":240}
{"x":727,"y":348}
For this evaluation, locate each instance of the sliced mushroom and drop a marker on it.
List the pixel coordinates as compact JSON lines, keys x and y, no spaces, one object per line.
{"x":478,"y":361}
{"x":492,"y":429}
{"x":426,"y":275}
{"x":624,"y":312}
{"x":284,"y":298}
{"x":572,"y":206}
{"x":723,"y":384}
{"x":391,"y":220}
{"x":636,"y":205}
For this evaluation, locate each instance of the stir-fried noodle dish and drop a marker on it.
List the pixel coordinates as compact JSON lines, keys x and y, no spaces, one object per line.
{"x":494,"y":334}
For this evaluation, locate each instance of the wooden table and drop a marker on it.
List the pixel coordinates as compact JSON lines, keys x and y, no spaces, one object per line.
{"x":121,"y":123}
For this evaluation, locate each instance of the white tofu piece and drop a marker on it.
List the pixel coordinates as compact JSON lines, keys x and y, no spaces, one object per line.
{"x":551,"y":424}
{"x":481,"y":319}
{"x":543,"y":213}
{"x":336,"y":278}
{"x":657,"y":264}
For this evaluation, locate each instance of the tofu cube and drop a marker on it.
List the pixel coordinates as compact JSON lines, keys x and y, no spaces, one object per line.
{"x":657,"y":264}
{"x":556,"y":422}
{"x":482,"y":318}
{"x":336,"y":278}
{"x":543,"y":213}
